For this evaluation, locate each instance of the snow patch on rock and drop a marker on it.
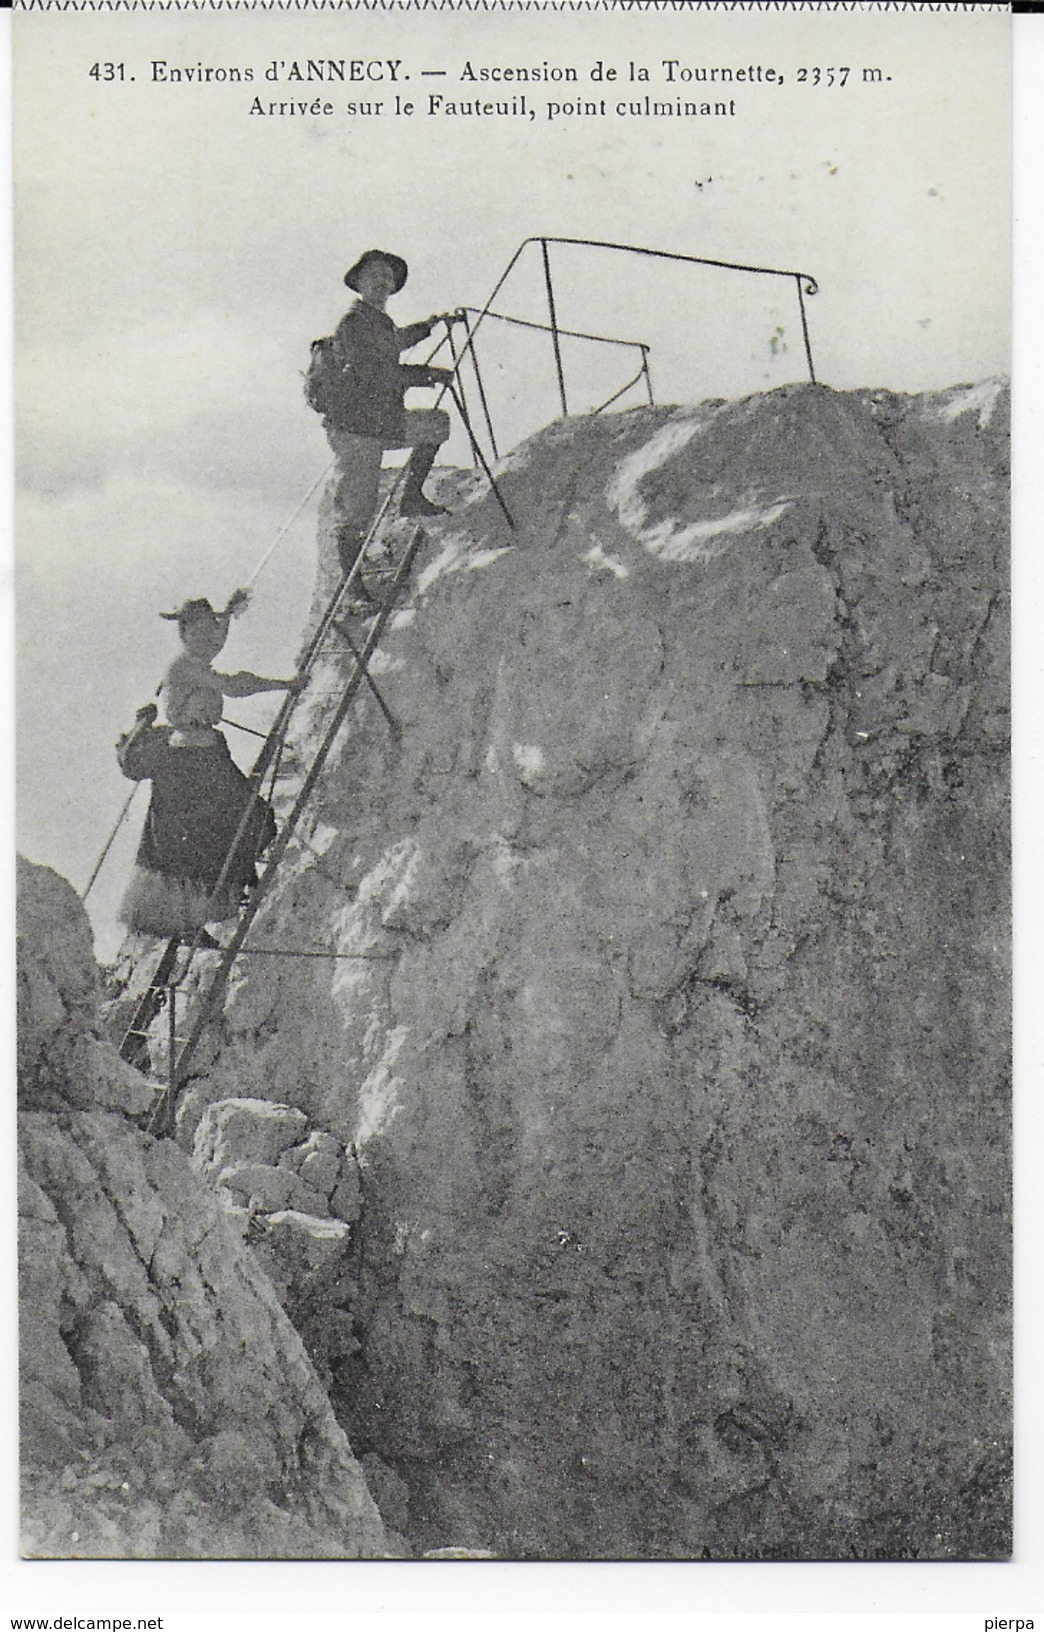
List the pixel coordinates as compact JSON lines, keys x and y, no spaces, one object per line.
{"x":692,"y":543}
{"x":975,"y":399}
{"x":379,"y":1095}
{"x":320,"y":837}
{"x":457,"y":555}
{"x":597,"y":557}
{"x":385,"y":662}
{"x":623,"y":491}
{"x":666,"y":539}
{"x":530,"y":760}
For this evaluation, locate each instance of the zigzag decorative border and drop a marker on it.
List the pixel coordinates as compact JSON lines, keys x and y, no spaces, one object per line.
{"x":509,"y":5}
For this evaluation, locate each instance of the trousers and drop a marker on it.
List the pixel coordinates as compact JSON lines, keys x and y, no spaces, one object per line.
{"x":359,"y":471}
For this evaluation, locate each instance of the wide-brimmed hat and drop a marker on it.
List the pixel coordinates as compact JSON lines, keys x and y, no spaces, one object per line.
{"x":189,"y":611}
{"x":396,"y":262}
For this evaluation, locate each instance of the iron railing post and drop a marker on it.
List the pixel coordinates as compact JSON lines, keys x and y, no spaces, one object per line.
{"x":481,"y":387}
{"x":804,"y":327}
{"x":648,"y":376}
{"x":554,"y":327}
{"x":457,"y":372}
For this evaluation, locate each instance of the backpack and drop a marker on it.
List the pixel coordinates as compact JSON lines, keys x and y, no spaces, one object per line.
{"x":324,"y":382}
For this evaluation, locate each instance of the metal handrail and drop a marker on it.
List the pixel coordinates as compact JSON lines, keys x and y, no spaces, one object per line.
{"x":805,"y":283}
{"x":570,"y":334}
{"x":642,"y":374}
{"x":470,"y":351}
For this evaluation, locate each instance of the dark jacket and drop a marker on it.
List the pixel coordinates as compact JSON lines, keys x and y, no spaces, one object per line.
{"x":368,"y":345}
{"x":200,"y":800}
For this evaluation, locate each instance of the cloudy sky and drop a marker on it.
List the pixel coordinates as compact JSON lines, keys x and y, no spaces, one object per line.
{"x":175,"y":254}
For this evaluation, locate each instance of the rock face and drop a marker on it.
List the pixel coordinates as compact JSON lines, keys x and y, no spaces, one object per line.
{"x":668,"y":1015}
{"x":168,"y":1406}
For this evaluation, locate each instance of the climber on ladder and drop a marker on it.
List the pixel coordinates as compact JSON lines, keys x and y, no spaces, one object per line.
{"x":198,"y":850}
{"x":357,"y":383}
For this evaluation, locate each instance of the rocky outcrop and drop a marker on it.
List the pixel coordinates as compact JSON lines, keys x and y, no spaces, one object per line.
{"x":168,"y":1406}
{"x":666,"y":1004}
{"x":294,"y":1197}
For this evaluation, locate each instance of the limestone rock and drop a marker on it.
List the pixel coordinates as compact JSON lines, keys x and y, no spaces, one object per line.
{"x":346,"y":1201}
{"x":168,"y":1406}
{"x":318,"y":1160}
{"x":271,"y":1189}
{"x":670,"y":1018}
{"x":63,"y":1058}
{"x":246,"y":1130}
{"x":305,"y":1242}
{"x":308,"y":1261}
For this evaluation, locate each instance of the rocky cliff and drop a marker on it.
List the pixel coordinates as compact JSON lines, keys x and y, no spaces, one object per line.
{"x":168,"y":1408}
{"x":666,"y":999}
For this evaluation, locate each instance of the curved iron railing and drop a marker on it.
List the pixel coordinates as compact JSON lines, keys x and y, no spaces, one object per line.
{"x":805,"y":284}
{"x":470,"y":351}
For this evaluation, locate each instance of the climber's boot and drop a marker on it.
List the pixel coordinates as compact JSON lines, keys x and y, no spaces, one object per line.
{"x":413,"y":501}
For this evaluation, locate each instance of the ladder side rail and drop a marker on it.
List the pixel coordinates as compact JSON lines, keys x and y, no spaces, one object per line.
{"x":455,"y":387}
{"x":481,"y":386}
{"x":209,"y":998}
{"x":150,"y":1003}
{"x":322,"y":629}
{"x":274,"y":741}
{"x":462,"y":411}
{"x":272,"y":760}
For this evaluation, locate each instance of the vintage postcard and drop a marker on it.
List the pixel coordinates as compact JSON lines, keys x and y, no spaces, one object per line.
{"x":513,"y":725}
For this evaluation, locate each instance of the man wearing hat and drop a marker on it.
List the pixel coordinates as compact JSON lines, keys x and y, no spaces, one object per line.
{"x":369,"y":414}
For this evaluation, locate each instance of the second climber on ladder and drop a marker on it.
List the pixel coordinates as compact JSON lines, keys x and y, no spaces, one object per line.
{"x":357,"y":383}
{"x":206,"y":826}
